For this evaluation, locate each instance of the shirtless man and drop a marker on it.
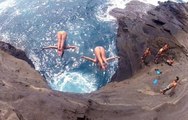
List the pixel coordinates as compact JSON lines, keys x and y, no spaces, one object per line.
{"x":169,"y":61}
{"x":173,"y":85}
{"x":61,"y":37}
{"x":147,"y":53}
{"x":161,"y":52}
{"x":100,"y":57}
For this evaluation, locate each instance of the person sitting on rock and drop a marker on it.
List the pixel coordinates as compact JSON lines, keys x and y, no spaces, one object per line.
{"x":172,"y":85}
{"x":147,"y":53}
{"x":161,"y":52}
{"x":61,"y":36}
{"x":169,"y":61}
{"x":100,"y":57}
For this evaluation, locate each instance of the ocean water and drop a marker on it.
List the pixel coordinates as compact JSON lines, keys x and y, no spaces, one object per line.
{"x":31,"y":25}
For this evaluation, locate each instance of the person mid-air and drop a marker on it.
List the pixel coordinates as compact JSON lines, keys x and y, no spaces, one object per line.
{"x":61,"y":36}
{"x":100,"y":57}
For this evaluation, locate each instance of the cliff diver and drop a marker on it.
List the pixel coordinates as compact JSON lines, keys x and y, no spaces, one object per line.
{"x":100,"y":57}
{"x":61,"y":38}
{"x":172,"y":85}
{"x":161,"y":52}
{"x":147,"y":53}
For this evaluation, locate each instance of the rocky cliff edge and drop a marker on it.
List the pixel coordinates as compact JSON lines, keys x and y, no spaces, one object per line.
{"x":24,"y":94}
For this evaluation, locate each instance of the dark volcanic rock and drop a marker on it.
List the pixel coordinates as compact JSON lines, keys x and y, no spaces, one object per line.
{"x":142,"y":26}
{"x":15,"y":52}
{"x":24,"y":95}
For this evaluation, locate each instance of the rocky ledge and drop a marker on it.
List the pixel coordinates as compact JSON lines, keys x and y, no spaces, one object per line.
{"x":26,"y":96}
{"x":6,"y":47}
{"x":148,"y":26}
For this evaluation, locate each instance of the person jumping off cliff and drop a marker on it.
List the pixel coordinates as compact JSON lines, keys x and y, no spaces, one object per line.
{"x":172,"y":85}
{"x":147,"y":53}
{"x":61,"y":37}
{"x":161,"y":52}
{"x":100,"y":57}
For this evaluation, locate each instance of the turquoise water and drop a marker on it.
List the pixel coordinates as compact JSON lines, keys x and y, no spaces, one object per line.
{"x":31,"y":25}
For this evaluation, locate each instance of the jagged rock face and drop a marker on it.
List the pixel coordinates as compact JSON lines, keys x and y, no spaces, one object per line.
{"x":24,"y":95}
{"x":142,"y":26}
{"x":15,"y":52}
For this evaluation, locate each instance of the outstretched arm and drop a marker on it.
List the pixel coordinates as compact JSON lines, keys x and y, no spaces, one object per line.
{"x":50,"y":47}
{"x":70,"y":47}
{"x":89,"y":59}
{"x":112,"y":58}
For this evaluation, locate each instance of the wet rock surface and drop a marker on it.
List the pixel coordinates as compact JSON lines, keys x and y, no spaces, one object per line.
{"x":24,"y":94}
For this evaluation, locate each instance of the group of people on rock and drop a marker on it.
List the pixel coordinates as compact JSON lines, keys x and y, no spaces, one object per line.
{"x":99,"y":51}
{"x":102,"y":61}
{"x":167,"y":60}
{"x":160,"y":54}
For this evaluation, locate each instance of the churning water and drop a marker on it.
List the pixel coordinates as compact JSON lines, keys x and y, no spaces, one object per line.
{"x":33,"y":24}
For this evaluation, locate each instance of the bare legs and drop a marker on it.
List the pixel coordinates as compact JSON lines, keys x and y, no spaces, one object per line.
{"x":100,"y":55}
{"x":61,"y":38}
{"x":103,"y":55}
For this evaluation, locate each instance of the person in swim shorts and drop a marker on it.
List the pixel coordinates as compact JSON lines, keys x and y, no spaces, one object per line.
{"x":169,"y":61}
{"x":147,"y":53}
{"x":161,"y":52}
{"x":172,"y":85}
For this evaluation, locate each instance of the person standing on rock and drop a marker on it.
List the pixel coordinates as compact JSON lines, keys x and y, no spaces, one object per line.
{"x":100,"y":57}
{"x":172,"y":85}
{"x":161,"y":52}
{"x":61,"y":38}
{"x":147,"y":53}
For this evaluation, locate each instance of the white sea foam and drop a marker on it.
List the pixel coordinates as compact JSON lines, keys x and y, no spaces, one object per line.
{"x":35,"y":60}
{"x":74,"y":82}
{"x":104,"y":9}
{"x":6,"y":4}
{"x":65,"y":79}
